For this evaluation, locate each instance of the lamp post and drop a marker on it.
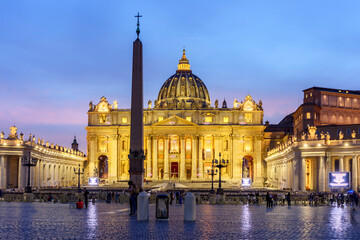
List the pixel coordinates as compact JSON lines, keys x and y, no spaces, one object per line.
{"x":79,"y":172}
{"x":29,"y":162}
{"x":221,"y":163}
{"x":212,"y":172}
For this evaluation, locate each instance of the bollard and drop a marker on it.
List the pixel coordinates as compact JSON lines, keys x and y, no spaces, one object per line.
{"x":190,"y":207}
{"x":143,"y":206}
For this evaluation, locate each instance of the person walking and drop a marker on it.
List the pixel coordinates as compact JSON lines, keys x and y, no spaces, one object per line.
{"x":86,"y":197}
{"x":288,"y":199}
{"x":268,"y":200}
{"x":171,"y":197}
{"x":134,"y":192}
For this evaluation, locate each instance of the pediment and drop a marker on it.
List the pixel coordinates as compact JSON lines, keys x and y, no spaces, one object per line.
{"x":174,"y":121}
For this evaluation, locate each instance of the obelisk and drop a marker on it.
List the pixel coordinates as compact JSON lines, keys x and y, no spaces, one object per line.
{"x":136,"y":156}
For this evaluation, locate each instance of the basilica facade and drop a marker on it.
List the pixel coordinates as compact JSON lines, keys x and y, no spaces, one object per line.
{"x":183,"y":134}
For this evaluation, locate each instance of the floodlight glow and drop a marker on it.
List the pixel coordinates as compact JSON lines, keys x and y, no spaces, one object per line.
{"x":93,"y":181}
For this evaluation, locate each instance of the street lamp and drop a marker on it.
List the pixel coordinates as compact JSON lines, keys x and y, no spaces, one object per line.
{"x":79,"y":172}
{"x":221,"y":163}
{"x":212,"y":172}
{"x":29,"y":162}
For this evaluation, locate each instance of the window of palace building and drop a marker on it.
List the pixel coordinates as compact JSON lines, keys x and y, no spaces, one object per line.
{"x":188,"y":119}
{"x":124,"y":120}
{"x":308,"y":115}
{"x":160,"y":119}
{"x":226,"y":119}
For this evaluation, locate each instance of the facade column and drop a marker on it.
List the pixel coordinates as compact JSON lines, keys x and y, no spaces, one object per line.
{"x":3,"y":167}
{"x":355,"y":173}
{"x":259,"y":180}
{"x":321,"y":173}
{"x":166,"y":158}
{"x":200,"y":168}
{"x":193,"y":158}
{"x":92,"y":156}
{"x":302,"y":174}
{"x":154,"y":158}
{"x":237,"y":167}
{"x":216,"y":147}
{"x":341,"y":163}
{"x":148,"y":157}
{"x":113,"y":168}
{"x":182,"y":159}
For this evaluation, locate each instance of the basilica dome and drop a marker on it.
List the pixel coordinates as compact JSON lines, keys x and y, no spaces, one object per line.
{"x":183,"y":90}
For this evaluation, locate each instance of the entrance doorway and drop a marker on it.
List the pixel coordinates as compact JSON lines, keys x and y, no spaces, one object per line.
{"x":174,"y":170}
{"x":248,"y":167}
{"x":103,"y":166}
{"x":188,"y":173}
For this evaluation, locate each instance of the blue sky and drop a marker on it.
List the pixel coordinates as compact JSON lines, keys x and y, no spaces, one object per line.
{"x":56,"y":56}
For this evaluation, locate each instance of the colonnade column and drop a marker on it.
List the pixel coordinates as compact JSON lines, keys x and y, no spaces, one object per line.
{"x":166,"y":158}
{"x":154,"y":158}
{"x":322,"y":173}
{"x":21,"y":175}
{"x":193,"y":158}
{"x":341,"y":164}
{"x":148,"y":158}
{"x":38,"y":175}
{"x":302,"y":174}
{"x":355,"y":173}
{"x":2,"y":172}
{"x":201,"y":171}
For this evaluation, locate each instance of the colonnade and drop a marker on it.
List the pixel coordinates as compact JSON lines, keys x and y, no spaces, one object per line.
{"x":306,"y":166}
{"x":46,"y":173}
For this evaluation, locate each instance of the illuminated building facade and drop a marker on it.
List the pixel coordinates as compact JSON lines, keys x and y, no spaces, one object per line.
{"x":326,"y":106}
{"x":324,"y":139}
{"x":305,"y":164}
{"x":55,"y":164}
{"x":183,"y":133}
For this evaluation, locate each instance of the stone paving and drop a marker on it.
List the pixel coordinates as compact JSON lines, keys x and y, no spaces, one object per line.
{"x":111,"y":221}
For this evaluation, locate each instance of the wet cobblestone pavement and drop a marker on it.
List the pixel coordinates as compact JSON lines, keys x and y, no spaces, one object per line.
{"x":111,"y":221}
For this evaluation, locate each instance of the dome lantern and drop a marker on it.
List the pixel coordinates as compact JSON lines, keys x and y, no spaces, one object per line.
{"x":183,"y":63}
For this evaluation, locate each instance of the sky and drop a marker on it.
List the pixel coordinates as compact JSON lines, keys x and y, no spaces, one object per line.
{"x":57,"y":56}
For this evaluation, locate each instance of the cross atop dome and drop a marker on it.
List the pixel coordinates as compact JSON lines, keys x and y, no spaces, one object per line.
{"x":184,"y":63}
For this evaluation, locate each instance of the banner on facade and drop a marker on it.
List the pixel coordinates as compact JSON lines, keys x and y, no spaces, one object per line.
{"x":93,"y":181}
{"x":339,"y":179}
{"x":246,"y":182}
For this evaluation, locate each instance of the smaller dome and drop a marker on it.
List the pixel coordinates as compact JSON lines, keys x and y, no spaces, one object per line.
{"x":183,"y":90}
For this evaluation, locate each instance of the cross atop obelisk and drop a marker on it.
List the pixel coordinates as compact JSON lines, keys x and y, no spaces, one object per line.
{"x":138,"y":16}
{"x":136,"y":155}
